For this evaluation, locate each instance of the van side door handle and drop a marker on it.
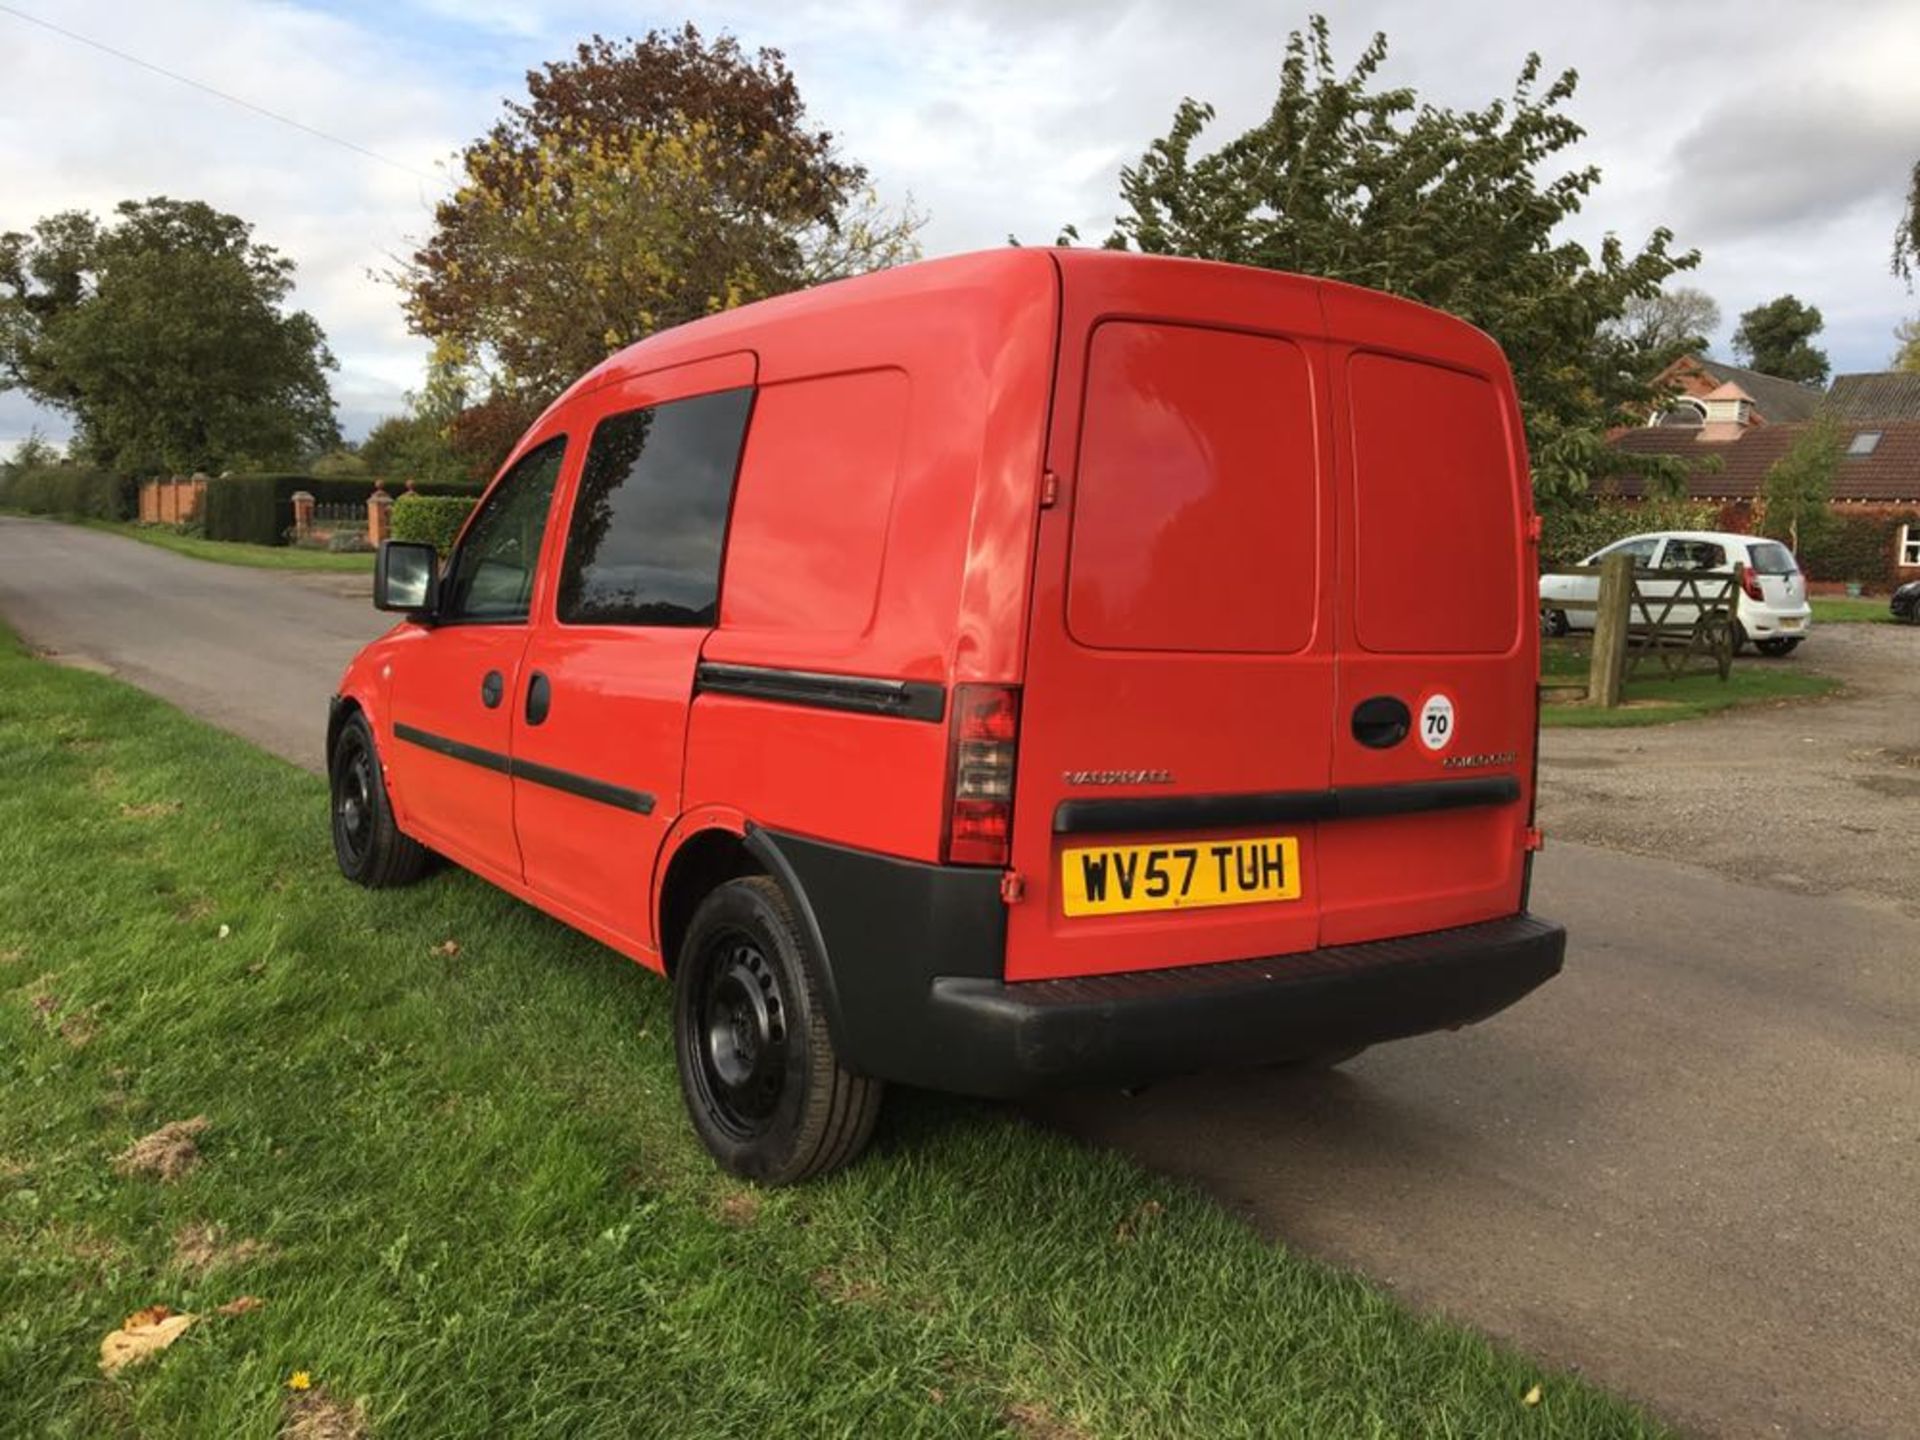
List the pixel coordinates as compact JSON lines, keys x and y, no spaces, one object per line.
{"x":492,"y":689}
{"x":539,"y":698}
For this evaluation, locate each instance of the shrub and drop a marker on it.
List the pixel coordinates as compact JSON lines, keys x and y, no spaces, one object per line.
{"x":259,"y":508}
{"x":1855,"y":547}
{"x":348,"y":542}
{"x":1570,"y":534}
{"x":434,"y":519}
{"x":74,"y":491}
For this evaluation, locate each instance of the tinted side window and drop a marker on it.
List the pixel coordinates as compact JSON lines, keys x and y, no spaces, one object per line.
{"x":1693,"y":555}
{"x":1640,"y":550}
{"x":491,"y":575}
{"x":651,"y":517}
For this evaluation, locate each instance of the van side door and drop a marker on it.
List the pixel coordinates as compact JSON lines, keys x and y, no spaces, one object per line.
{"x":451,"y":681}
{"x":600,"y":718}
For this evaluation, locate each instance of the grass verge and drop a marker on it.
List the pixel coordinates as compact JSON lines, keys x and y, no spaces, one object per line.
{"x":227,"y":552}
{"x":1845,"y":610}
{"x":445,"y":1148}
{"x":1653,"y":700}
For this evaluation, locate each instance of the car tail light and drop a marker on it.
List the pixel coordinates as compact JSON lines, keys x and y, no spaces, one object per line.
{"x":985,"y":735}
{"x":1750,"y":582}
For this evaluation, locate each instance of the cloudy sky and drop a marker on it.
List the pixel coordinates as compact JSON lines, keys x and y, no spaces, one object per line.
{"x":1774,"y":137}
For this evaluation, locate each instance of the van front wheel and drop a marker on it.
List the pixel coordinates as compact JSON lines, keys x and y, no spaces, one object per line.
{"x":367,"y":845}
{"x":764,"y":1088}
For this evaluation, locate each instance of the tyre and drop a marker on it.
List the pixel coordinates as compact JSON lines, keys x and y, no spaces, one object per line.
{"x":1739,"y":638}
{"x":367,"y":845}
{"x":767,"y":1094}
{"x":1778,"y":647}
{"x":1553,"y":623}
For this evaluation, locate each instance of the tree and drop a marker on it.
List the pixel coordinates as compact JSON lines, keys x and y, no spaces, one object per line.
{"x":642,"y":184}
{"x":1794,"y":494}
{"x":163,"y":334}
{"x":1449,"y":207}
{"x":1683,"y":318}
{"x":1906,"y":234}
{"x":1907,"y":357}
{"x":417,"y":445}
{"x":1775,"y":339}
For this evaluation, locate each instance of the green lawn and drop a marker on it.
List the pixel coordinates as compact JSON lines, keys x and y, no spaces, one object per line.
{"x":454,"y":1127}
{"x":1841,"y":610}
{"x":1653,"y":700}
{"x":231,"y":552}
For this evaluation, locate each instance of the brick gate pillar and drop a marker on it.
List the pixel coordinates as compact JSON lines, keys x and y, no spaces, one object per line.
{"x":379,"y":515}
{"x":302,"y":514}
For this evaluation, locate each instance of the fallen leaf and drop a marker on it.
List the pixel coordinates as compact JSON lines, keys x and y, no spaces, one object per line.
{"x":1532,"y":1397}
{"x":225,"y":931}
{"x":1136,"y":1224}
{"x":144,"y":1333}
{"x":240,"y":1305}
{"x":168,"y":1152}
{"x":448,"y":948}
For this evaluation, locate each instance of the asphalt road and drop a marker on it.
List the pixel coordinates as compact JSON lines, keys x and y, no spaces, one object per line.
{"x":1689,"y":1167}
{"x":257,"y":652}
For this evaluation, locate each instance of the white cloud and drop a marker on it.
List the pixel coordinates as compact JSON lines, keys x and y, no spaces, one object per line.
{"x":1777,"y":143}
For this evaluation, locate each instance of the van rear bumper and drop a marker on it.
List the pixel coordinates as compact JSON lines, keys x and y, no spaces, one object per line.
{"x":914,"y":954}
{"x":1117,"y":1029}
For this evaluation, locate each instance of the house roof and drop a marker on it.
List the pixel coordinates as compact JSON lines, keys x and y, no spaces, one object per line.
{"x":1780,"y":401}
{"x":1891,"y":472}
{"x":1886,"y":395}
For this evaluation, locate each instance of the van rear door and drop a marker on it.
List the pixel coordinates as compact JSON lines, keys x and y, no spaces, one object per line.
{"x":1435,"y":621}
{"x":1179,"y":673}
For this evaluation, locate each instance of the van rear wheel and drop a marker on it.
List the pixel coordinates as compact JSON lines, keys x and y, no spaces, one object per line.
{"x":765,"y":1090}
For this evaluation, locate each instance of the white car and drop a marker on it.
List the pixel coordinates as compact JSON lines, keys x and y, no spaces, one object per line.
{"x":1773,"y":612}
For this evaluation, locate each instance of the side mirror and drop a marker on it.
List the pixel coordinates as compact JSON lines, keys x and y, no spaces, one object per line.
{"x":406,"y":576}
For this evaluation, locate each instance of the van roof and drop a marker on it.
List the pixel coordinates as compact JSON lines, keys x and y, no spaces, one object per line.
{"x":1012,"y":265}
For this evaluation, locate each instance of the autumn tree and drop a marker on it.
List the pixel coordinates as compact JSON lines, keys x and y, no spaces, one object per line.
{"x":1906,"y":234}
{"x":164,"y":334}
{"x":1777,"y":339}
{"x":1349,"y":179}
{"x":642,"y":184}
{"x":1907,"y":337}
{"x":1794,"y":494}
{"x":1680,"y":318}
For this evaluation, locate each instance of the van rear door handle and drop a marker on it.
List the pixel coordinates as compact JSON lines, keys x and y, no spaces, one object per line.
{"x":539,"y":698}
{"x":1381,"y":722}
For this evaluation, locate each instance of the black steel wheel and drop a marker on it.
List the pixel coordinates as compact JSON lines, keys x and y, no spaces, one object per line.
{"x":1554,"y":623}
{"x":367,"y":845}
{"x":764,"y":1088}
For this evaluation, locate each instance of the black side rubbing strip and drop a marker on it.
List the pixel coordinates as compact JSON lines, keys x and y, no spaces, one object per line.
{"x":863,"y":694}
{"x":585,"y":786}
{"x":1198,"y":812}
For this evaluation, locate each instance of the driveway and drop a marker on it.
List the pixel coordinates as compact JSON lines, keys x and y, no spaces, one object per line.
{"x":1687,"y":1167}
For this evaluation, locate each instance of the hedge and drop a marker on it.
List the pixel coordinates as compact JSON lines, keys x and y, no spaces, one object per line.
{"x":71,"y":490}
{"x":434,"y":519}
{"x":1856,"y":547}
{"x":1571,"y":534}
{"x":259,"y":508}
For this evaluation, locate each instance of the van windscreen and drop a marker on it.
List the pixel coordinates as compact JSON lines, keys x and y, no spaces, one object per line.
{"x":1195,"y":518}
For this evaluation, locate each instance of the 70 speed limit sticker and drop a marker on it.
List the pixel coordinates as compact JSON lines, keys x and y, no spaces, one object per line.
{"x":1436,"y":722}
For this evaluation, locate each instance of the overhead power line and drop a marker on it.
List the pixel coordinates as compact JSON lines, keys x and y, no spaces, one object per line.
{"x":216,"y":93}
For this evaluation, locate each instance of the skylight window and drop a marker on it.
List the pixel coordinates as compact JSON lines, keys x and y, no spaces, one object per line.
{"x":1864,"y":443}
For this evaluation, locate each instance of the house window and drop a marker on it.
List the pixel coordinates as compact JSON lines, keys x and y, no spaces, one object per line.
{"x":1864,"y":443}
{"x":1910,"y":544}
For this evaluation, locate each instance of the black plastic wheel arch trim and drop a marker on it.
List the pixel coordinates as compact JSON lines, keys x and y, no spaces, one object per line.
{"x":862,"y":694}
{"x":1278,"y":807}
{"x":585,"y":786}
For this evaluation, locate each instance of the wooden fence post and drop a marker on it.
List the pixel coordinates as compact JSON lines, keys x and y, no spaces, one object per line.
{"x":1606,"y":678}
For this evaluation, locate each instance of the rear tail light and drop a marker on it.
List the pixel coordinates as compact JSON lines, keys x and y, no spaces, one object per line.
{"x":984,"y":738}
{"x":1750,"y":582}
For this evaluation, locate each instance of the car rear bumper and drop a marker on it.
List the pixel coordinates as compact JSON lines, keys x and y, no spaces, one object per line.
{"x":914,"y":994}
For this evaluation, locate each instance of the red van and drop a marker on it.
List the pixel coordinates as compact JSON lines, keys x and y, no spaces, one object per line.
{"x":1012,"y":670}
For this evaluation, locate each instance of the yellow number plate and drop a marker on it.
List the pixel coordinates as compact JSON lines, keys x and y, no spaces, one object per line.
{"x":1119,"y":879}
